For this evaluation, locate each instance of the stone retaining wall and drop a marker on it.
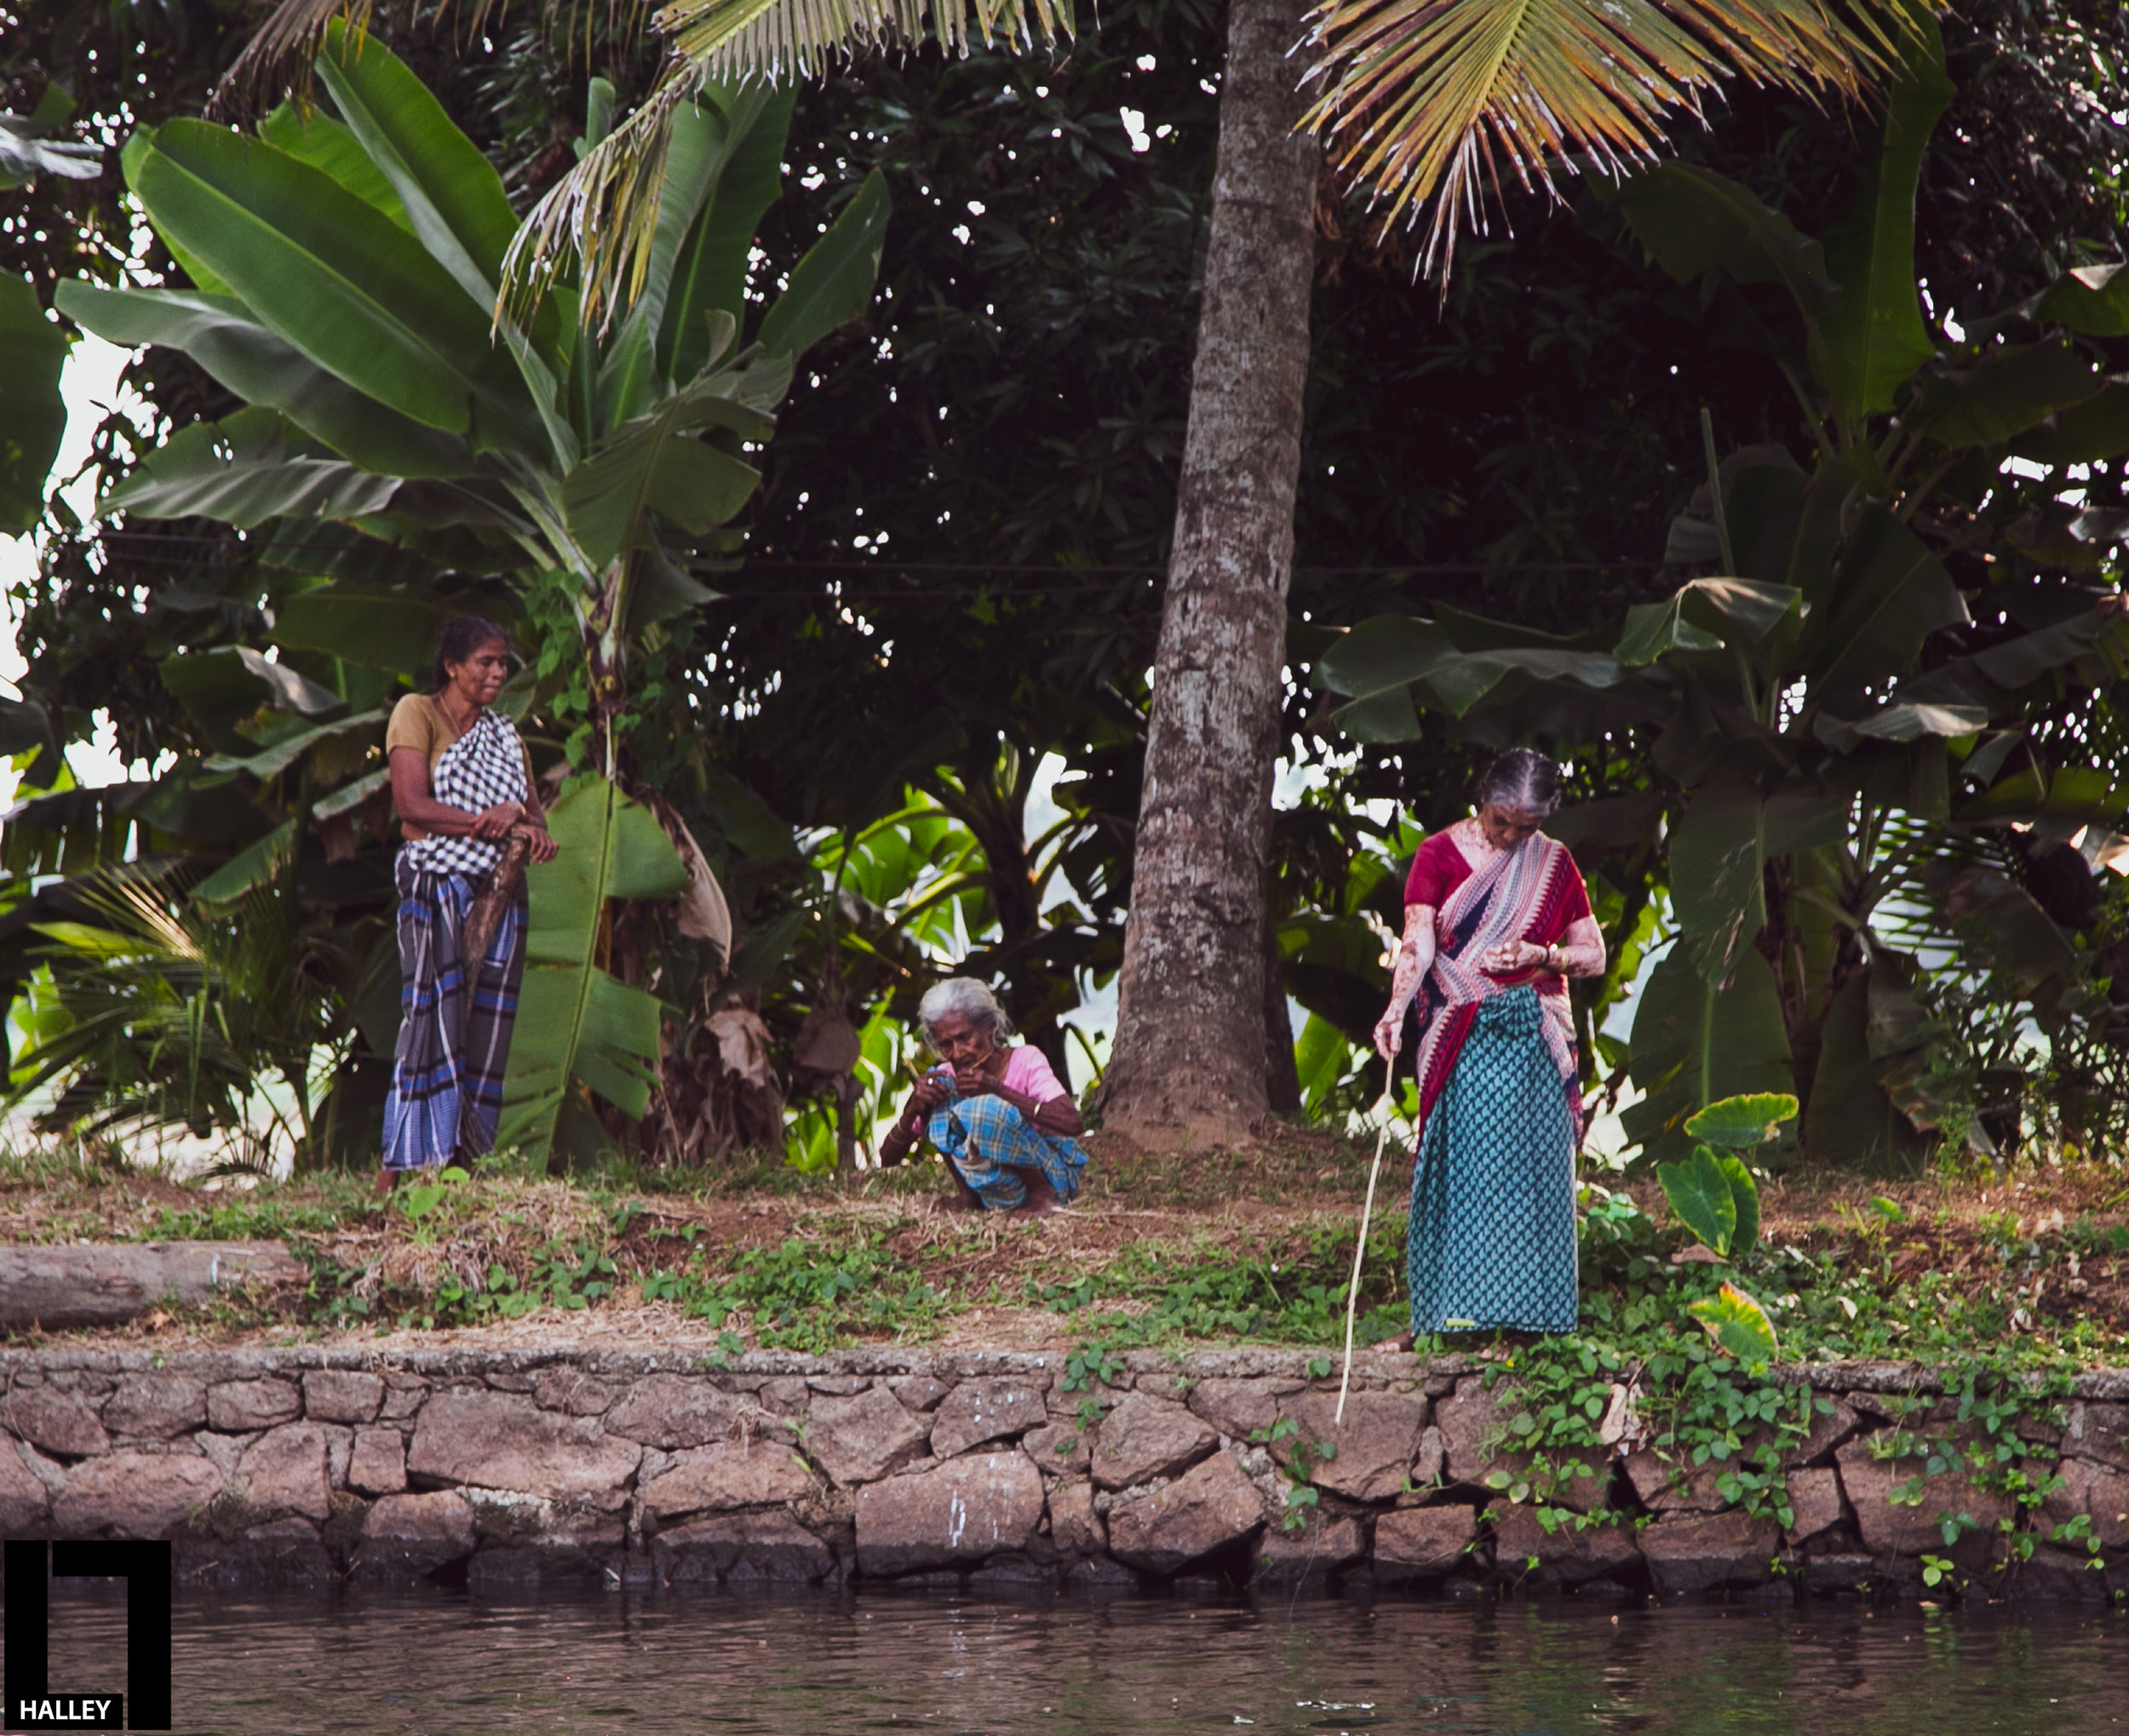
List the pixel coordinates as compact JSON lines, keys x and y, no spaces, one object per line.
{"x":652,"y":1469}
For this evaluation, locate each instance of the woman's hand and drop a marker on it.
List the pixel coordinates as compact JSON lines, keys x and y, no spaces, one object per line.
{"x":1390,"y":1034}
{"x":495,"y":822}
{"x":543,"y":847}
{"x":1512,"y":956}
{"x":930,"y":1094}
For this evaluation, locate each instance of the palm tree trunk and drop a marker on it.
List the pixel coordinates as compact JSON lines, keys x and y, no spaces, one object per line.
{"x":1189,"y":1050}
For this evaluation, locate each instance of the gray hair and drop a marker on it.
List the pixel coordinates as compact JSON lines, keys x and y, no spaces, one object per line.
{"x":1523,"y":780}
{"x":964,"y":995}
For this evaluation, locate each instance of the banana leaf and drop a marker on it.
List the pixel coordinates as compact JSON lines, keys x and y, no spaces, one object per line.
{"x":577,"y":1026}
{"x":32,"y":414}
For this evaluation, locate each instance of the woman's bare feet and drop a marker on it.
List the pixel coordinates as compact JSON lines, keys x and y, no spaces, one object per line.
{"x":1041,"y":1199}
{"x":1397,"y":1347}
{"x":387,"y":1180}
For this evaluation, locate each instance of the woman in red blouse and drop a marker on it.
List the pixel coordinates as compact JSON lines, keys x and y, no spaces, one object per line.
{"x":1496,"y":919}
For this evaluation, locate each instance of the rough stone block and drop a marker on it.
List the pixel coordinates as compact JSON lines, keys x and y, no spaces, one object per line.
{"x":2096,"y":1489}
{"x":672,"y":1410}
{"x":1059,"y":1449}
{"x":341,"y":1395}
{"x":417,"y":1531}
{"x":1814,"y":1499}
{"x":1707,"y":1552}
{"x":58,"y":1421}
{"x":1468,"y":1418}
{"x":284,"y":1471}
{"x":759,"y":1473}
{"x":863,"y":1438}
{"x":512,"y":1518}
{"x":1145,"y":1438}
{"x":978,"y":1411}
{"x":1910,"y":1530}
{"x":25,"y":1505}
{"x":741,"y":1549}
{"x":1240,"y":1407}
{"x":1433,"y":1455}
{"x":2098,"y":1432}
{"x":404,"y":1396}
{"x":1074,"y":1527}
{"x":1567,"y":1555}
{"x":1829,"y":1429}
{"x":1424,"y":1542}
{"x":377,"y":1465}
{"x":1667,"y":1486}
{"x":157,"y":1406}
{"x":573,"y":1391}
{"x":919,"y":1392}
{"x":1167,"y":1529}
{"x":1378,"y":1443}
{"x":131,"y":1494}
{"x":1327,"y":1542}
{"x":239,"y":1406}
{"x":503,"y":1441}
{"x":964,"y":1510}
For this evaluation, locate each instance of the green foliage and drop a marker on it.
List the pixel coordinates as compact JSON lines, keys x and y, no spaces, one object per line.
{"x":1742,"y":1120}
{"x":1700,"y":1192}
{"x":344,"y":269}
{"x":1737,"y":1323}
{"x":1809,"y":712}
{"x":32,"y":352}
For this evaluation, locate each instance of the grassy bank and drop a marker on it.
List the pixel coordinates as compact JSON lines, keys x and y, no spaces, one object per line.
{"x":2030,"y":1269}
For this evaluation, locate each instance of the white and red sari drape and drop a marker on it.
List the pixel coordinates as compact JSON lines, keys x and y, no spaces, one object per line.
{"x":1529,"y":894}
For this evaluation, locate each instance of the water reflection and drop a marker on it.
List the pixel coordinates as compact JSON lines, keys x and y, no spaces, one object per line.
{"x":445,"y":1665}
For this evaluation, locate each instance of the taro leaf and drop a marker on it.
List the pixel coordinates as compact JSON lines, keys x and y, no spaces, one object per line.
{"x":1737,"y":1323}
{"x":1743,"y":1121}
{"x":1744,"y":1195}
{"x":1700,"y":1193}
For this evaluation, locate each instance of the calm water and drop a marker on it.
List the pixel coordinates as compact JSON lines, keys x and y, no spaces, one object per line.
{"x":448,"y":1664}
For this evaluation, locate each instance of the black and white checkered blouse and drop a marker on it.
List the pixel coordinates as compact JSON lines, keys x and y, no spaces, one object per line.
{"x":483,"y":766}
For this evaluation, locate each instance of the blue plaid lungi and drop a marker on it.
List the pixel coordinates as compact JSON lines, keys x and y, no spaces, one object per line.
{"x":991,"y":1146}
{"x":454,"y":1032}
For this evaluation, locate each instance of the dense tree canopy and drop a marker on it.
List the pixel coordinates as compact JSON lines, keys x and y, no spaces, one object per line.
{"x":953,"y":567}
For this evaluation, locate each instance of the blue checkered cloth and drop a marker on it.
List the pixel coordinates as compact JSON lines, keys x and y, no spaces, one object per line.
{"x":454,"y":1044}
{"x":992,"y":1149}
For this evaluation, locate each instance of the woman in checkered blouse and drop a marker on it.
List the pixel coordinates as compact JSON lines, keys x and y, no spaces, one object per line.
{"x":463,"y":784}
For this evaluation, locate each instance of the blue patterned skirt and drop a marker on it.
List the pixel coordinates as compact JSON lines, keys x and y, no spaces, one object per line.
{"x":454,"y":1024}
{"x":1491,"y":1241}
{"x":991,"y":1147}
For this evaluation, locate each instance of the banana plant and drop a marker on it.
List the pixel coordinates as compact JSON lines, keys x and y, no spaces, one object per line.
{"x":1860,"y":678}
{"x":345,"y":266}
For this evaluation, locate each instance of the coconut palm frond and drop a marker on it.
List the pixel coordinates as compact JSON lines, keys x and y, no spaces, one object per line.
{"x":1432,"y":101}
{"x":779,"y":38}
{"x":281,"y":52}
{"x":604,"y":213}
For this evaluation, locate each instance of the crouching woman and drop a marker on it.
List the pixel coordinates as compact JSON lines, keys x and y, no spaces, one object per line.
{"x":1008,"y":1131}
